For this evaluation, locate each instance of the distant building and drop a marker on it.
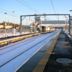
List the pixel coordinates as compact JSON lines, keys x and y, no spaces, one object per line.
{"x":8,"y":29}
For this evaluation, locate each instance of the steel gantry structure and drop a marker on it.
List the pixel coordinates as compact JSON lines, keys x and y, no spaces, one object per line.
{"x":34,"y":15}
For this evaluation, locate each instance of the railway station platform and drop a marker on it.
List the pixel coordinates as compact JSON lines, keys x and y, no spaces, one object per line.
{"x":25,"y":55}
{"x":56,"y":59}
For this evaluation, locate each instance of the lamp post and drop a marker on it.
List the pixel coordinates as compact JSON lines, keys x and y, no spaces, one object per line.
{"x":5,"y":24}
{"x":14,"y":30}
{"x":70,"y":10}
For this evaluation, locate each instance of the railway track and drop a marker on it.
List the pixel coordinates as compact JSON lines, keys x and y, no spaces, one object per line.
{"x":7,"y":41}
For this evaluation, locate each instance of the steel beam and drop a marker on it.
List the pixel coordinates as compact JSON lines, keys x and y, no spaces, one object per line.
{"x":45,"y":14}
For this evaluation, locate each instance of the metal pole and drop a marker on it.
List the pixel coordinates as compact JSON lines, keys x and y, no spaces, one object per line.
{"x":69,"y":24}
{"x":20,"y":28}
{"x":5,"y":24}
{"x":14,"y":27}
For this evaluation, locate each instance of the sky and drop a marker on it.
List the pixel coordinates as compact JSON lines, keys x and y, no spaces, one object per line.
{"x":15,"y":8}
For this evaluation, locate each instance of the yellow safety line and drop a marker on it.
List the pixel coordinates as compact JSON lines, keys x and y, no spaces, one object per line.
{"x":7,"y":41}
{"x":41,"y":65}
